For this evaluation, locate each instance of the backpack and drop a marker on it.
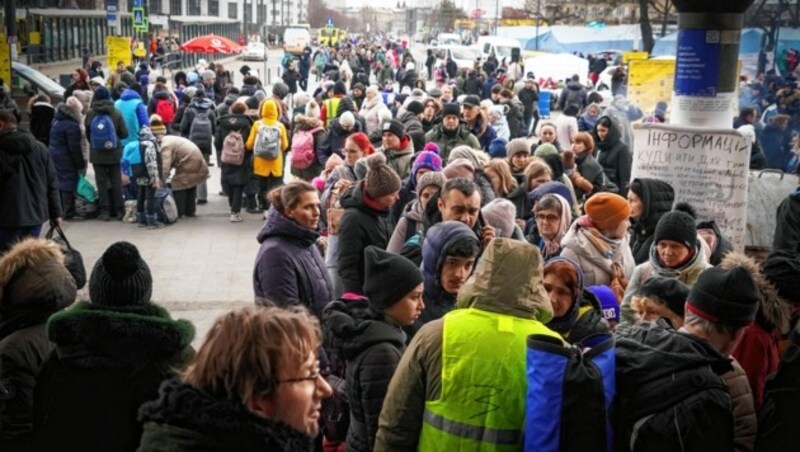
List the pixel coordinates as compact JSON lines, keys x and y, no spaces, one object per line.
{"x":303,"y":153}
{"x":103,"y":133}
{"x":166,"y":208}
{"x":233,"y":149}
{"x":268,"y":142}
{"x":166,"y":109}
{"x":201,"y":130}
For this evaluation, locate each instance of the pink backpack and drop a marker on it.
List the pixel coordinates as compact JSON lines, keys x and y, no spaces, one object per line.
{"x":303,"y":152}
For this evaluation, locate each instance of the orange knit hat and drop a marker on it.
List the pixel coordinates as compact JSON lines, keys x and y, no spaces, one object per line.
{"x":607,"y":210}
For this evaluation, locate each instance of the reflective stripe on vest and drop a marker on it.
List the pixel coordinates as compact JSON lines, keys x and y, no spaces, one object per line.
{"x":482,"y":402}
{"x":331,"y":110}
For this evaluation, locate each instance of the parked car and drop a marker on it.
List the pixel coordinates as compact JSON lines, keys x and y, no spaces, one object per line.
{"x":27,"y":82}
{"x":255,"y":51}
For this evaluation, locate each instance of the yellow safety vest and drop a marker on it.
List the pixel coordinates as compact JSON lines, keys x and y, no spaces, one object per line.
{"x":484,"y":384}
{"x":331,"y":110}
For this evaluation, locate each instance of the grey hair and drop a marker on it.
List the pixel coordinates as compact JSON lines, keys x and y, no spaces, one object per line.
{"x":694,"y":320}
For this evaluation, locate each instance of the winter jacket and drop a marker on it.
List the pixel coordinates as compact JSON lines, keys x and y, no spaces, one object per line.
{"x":744,"y":412}
{"x":409,"y":224}
{"x":28,"y":181}
{"x":529,"y":99}
{"x":41,"y":116}
{"x":574,"y":94}
{"x":108,"y":361}
{"x":162,"y":94}
{"x":371,"y":112}
{"x":291,"y":77}
{"x":372,"y":346}
{"x":787,"y":224}
{"x":596,"y":267}
{"x":472,"y":85}
{"x":515,"y":119}
{"x":134,"y":113}
{"x":501,"y":128}
{"x":657,"y":197}
{"x":448,"y":141}
{"x":104,"y":156}
{"x":413,"y":129}
{"x":26,"y":305}
{"x":615,"y":158}
{"x":686,"y":274}
{"x":724,"y":245}
{"x":779,"y":425}
{"x":304,"y":124}
{"x":361,"y":225}
{"x":235,"y":174}
{"x":400,"y":159}
{"x":185,"y":158}
{"x":648,"y":356}
{"x":289,"y":268}
{"x":333,"y":142}
{"x":195,"y":107}
{"x":584,"y":321}
{"x":269,"y":116}
{"x":151,"y":157}
{"x":590,"y":170}
{"x":483,"y":131}
{"x":776,"y":144}
{"x":184,"y":418}
{"x":65,"y":148}
{"x":418,"y":378}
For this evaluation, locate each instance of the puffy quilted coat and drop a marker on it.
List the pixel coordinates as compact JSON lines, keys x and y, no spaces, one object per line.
{"x":65,"y":148}
{"x":187,"y":160}
{"x":269,"y":116}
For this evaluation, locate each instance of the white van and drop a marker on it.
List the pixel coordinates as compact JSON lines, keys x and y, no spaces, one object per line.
{"x":295,"y":39}
{"x":463,"y":56}
{"x":501,"y":47}
{"x":445,"y":39}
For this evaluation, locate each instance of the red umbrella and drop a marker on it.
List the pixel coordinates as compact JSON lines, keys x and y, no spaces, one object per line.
{"x":211,"y":44}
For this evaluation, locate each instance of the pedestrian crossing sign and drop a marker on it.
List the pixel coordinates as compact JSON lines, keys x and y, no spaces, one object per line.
{"x":140,"y":21}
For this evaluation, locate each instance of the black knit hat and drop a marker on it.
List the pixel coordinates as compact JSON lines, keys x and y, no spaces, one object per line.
{"x":120,"y":277}
{"x":381,"y":180}
{"x":782,"y":269}
{"x":667,"y":291}
{"x":415,"y":107}
{"x":677,"y":226}
{"x":394,"y":126}
{"x":728,"y":297}
{"x":339,"y":87}
{"x":451,"y":109}
{"x":388,"y":277}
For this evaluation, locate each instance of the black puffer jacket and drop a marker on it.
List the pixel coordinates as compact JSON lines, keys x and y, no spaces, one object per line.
{"x":372,"y":348}
{"x":361,"y":226}
{"x":779,"y":425}
{"x":657,"y":197}
{"x":413,"y":129}
{"x":184,"y":419}
{"x":591,"y":171}
{"x":615,"y":157}
{"x":787,"y":224}
{"x":235,"y":174}
{"x":103,"y":156}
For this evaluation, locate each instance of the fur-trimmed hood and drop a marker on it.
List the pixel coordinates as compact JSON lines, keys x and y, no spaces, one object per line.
{"x":304,"y":122}
{"x":90,"y":336}
{"x":772,"y":308}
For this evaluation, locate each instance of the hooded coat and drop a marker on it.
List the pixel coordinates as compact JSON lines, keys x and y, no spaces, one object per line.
{"x":371,"y":346}
{"x":34,"y":284}
{"x":447,"y":141}
{"x":409,"y":224}
{"x":185,"y":158}
{"x":289,"y":268}
{"x":196,"y":106}
{"x":134,"y":113}
{"x":185,"y":418}
{"x":65,"y":148}
{"x":413,"y":128}
{"x":491,"y":288}
{"x":657,"y":197}
{"x":304,"y":124}
{"x":333,"y":142}
{"x":371,"y":112}
{"x":103,"y":156}
{"x":596,"y":267}
{"x":574,"y":94}
{"x":361,"y":225}
{"x":28,"y":181}
{"x":615,"y":157}
{"x":41,"y":116}
{"x":108,"y":361}
{"x":787,"y":224}
{"x":269,"y":116}
{"x":590,"y":170}
{"x":483,"y":131}
{"x":400,"y":159}
{"x":235,"y":174}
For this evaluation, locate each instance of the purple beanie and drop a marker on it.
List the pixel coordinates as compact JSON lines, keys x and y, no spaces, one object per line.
{"x":425,"y":159}
{"x":432,"y":147}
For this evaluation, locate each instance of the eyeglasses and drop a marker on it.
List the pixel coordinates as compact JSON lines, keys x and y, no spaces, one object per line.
{"x":548,"y":218}
{"x":313,"y":377}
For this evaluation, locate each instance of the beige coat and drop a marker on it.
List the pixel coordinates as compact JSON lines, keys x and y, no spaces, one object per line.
{"x":596,"y":268}
{"x":185,"y":157}
{"x":744,"y":410}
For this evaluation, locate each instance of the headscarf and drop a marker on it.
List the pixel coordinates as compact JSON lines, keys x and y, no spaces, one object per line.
{"x":553,"y":247}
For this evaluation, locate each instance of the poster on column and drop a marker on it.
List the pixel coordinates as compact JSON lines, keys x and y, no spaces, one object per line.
{"x":708,"y":168}
{"x":5,"y":61}
{"x":649,"y":82}
{"x":119,"y":49}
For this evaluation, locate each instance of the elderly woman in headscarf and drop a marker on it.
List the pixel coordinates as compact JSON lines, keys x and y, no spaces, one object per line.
{"x":552,"y":218}
{"x":577,"y":315}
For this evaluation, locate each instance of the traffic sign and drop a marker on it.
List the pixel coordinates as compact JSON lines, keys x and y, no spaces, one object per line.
{"x":138,"y":4}
{"x":139,"y":19}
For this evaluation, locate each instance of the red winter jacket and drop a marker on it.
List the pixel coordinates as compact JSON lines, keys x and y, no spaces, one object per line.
{"x":757,"y":352}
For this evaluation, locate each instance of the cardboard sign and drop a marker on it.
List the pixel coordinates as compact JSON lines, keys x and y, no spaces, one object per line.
{"x":119,"y":49}
{"x":634,"y":55}
{"x":707,"y":168}
{"x":649,"y":82}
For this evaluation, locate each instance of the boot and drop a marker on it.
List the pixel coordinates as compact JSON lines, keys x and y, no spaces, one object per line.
{"x":142,"y":219}
{"x":153,"y":223}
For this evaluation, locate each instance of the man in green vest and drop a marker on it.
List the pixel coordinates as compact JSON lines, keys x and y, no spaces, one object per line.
{"x":333,"y":107}
{"x":461,"y":383}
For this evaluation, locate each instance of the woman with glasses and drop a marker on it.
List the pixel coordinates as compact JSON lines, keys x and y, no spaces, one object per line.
{"x":254,"y":385}
{"x":552,"y":217}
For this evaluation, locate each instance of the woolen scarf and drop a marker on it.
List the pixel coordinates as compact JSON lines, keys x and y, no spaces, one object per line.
{"x":606,"y":246}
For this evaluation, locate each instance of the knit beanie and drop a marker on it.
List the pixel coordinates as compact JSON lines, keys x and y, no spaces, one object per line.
{"x":607,"y":210}
{"x":432,"y":147}
{"x":497,"y":148}
{"x":728,"y":297}
{"x":667,"y":291}
{"x":102,"y":93}
{"x":431,"y":178}
{"x":677,"y":226}
{"x":415,"y":107}
{"x":451,"y":109}
{"x":500,"y":213}
{"x":478,"y":158}
{"x":545,"y":149}
{"x":609,"y":306}
{"x":394,"y":126}
{"x":381,"y":179}
{"x":427,"y":159}
{"x":158,"y":129}
{"x":381,"y":267}
{"x":550,"y":188}
{"x":280,"y":90}
{"x":120,"y":277}
{"x":516,"y":146}
{"x":339,"y":87}
{"x":459,"y":168}
{"x":782,"y":269}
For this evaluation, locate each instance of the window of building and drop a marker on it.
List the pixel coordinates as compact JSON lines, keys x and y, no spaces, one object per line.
{"x":194,"y":8}
{"x":261,"y":14}
{"x":233,"y":11}
{"x":175,"y":8}
{"x":213,"y":8}
{"x":155,"y":7}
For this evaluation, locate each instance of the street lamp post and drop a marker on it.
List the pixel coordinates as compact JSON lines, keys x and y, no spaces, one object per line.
{"x":538,"y":19}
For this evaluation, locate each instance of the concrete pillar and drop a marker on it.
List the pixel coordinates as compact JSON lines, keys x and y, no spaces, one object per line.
{"x":706,"y":66}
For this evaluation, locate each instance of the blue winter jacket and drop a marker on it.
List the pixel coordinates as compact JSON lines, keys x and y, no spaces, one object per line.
{"x":65,"y":148}
{"x":134,"y":113}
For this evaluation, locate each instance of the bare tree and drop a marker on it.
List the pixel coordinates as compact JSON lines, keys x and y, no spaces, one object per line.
{"x":664,"y":9}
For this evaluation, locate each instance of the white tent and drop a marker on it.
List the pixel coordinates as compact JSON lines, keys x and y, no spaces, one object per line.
{"x":558,"y":66}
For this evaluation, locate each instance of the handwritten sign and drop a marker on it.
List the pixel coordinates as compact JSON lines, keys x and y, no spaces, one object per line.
{"x":119,"y":49}
{"x":649,"y":82}
{"x":707,"y":168}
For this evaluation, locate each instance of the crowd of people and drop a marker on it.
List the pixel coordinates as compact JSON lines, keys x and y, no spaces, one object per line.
{"x":436,"y":249}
